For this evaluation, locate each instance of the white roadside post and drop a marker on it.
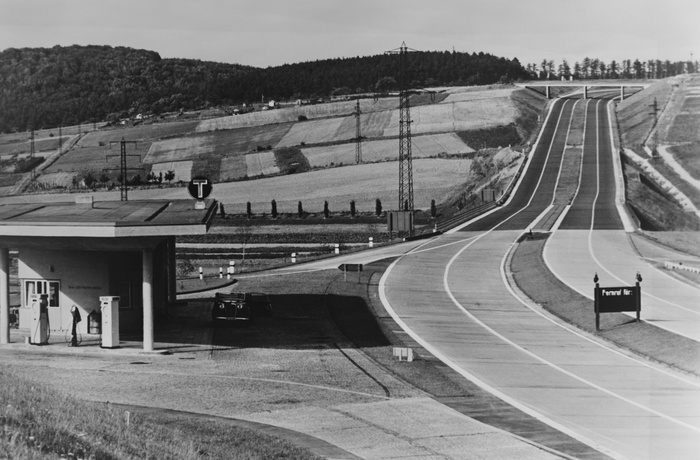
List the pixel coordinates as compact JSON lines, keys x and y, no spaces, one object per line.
{"x":337,"y":248}
{"x":294,"y":257}
{"x":371,"y":242}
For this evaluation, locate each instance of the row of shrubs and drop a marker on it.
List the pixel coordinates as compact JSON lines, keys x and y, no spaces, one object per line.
{"x":326,"y":211}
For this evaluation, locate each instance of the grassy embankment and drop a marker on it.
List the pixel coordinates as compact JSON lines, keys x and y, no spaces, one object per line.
{"x":655,"y":208}
{"x":40,"y":423}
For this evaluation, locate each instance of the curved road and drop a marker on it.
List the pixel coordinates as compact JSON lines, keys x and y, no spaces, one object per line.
{"x":452,"y":296}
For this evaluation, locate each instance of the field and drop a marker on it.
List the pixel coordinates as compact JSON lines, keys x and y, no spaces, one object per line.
{"x":386,"y":150}
{"x":40,"y":145}
{"x":433,"y":179}
{"x":239,"y":148}
{"x":96,"y":152}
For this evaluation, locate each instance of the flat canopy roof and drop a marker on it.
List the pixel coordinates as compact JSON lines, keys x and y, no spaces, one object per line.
{"x":106,"y":219}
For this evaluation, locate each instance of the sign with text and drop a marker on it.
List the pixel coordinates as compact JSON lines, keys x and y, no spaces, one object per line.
{"x":617,"y":299}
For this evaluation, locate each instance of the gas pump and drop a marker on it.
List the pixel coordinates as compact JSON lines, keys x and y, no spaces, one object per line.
{"x":40,"y":319}
{"x":75,"y":313}
{"x":110,"y":321}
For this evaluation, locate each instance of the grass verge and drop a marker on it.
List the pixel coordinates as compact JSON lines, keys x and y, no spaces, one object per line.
{"x":534,"y":278}
{"x":40,"y":423}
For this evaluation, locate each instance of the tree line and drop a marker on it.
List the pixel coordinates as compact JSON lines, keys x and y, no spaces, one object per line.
{"x":49,"y":87}
{"x":594,"y":68}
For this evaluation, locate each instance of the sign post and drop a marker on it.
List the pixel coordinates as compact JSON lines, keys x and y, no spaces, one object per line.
{"x":199,"y":188}
{"x":351,"y":268}
{"x":617,"y":299}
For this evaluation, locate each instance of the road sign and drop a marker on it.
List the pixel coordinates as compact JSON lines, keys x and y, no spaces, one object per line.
{"x":199,"y":187}
{"x":345,"y":268}
{"x":350,"y":267}
{"x":617,"y":299}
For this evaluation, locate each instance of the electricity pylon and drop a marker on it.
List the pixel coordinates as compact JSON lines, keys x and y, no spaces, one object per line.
{"x":405,"y":157}
{"x":122,"y":166}
{"x":358,"y":135}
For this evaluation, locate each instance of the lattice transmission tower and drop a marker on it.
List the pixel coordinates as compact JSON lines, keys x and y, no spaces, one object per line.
{"x":358,"y":135}
{"x":405,"y":156}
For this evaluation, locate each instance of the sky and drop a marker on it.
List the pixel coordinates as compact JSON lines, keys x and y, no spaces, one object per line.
{"x":265,"y":33}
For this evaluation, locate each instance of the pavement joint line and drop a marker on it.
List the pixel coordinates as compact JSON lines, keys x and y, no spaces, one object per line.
{"x":477,"y":381}
{"x":508,"y":280}
{"x":549,"y":363}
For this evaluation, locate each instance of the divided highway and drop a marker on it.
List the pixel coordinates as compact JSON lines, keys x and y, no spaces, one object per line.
{"x":452,"y":296}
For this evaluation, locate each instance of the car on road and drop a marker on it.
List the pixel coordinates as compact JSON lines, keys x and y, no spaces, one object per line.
{"x":240,"y":306}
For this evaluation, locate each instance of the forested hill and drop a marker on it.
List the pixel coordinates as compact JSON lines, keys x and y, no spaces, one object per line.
{"x":48,"y":87}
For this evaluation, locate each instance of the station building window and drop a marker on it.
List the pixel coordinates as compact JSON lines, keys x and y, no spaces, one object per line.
{"x":52,"y":288}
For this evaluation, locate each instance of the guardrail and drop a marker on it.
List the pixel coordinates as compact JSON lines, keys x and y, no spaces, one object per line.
{"x":674,"y":266}
{"x":465,"y":216}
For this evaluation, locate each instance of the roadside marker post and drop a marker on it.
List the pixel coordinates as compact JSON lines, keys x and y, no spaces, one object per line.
{"x":201,"y":274}
{"x":371,"y":242}
{"x":337,"y":248}
{"x":294,"y":257}
{"x":231,"y":268}
{"x":221,"y":272}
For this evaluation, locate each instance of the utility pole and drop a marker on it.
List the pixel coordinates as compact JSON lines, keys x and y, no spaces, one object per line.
{"x":405,"y":157}
{"x":654,"y":113}
{"x":358,"y":135}
{"x":122,"y":167}
{"x":31,"y":154}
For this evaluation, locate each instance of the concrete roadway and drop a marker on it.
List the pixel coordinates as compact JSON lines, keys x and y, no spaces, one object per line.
{"x":592,"y":239}
{"x":452,"y":296}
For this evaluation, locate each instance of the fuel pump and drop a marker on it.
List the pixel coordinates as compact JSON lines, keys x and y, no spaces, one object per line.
{"x":75,"y":313}
{"x":40,"y":319}
{"x":110,"y":321}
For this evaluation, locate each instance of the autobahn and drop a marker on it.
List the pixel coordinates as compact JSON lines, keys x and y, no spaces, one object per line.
{"x":452,"y":296}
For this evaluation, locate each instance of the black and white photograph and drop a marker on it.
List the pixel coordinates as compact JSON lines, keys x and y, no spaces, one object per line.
{"x":314,"y":229}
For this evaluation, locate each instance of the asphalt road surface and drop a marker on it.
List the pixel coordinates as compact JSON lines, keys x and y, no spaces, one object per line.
{"x":452,"y":296}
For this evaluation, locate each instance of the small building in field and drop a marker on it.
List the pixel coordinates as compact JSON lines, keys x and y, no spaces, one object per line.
{"x":76,"y":253}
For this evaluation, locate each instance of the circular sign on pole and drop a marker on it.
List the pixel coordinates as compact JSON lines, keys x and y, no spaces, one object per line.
{"x":199,"y":187}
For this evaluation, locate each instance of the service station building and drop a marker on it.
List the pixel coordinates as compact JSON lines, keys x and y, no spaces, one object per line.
{"x":75,"y":254}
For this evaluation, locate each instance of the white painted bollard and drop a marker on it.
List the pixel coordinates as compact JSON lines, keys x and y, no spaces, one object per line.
{"x":201,"y":274}
{"x":403,"y":353}
{"x":337,"y":248}
{"x":231,"y":268}
{"x":294,"y":257}
{"x":371,"y":242}
{"x":221,"y":272}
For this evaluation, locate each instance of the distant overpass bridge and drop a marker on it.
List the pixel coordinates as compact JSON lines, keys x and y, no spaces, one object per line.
{"x":622,"y":84}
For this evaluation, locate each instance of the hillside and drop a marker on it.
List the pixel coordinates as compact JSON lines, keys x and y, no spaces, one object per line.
{"x":662,"y":169}
{"x":288,"y":155}
{"x":49,"y":87}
